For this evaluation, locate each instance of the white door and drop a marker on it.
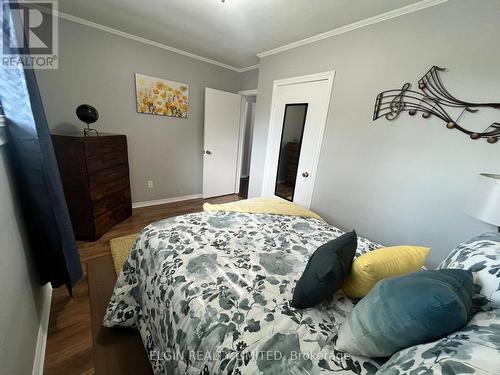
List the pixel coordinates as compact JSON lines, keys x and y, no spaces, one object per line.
{"x":298,"y":118}
{"x":221,"y":142}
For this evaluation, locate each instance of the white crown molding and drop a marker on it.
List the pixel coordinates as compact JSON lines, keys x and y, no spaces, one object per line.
{"x":248,"y":68}
{"x":166,"y":200}
{"x":356,"y":25}
{"x":140,"y":39}
{"x":341,"y":30}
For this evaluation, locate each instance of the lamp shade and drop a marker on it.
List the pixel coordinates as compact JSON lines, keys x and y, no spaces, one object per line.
{"x":484,"y":203}
{"x":87,"y":113}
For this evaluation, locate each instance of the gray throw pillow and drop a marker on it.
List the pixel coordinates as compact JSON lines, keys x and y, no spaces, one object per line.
{"x":326,"y":270}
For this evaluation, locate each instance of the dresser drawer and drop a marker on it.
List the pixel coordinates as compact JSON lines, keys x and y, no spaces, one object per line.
{"x":110,"y":201}
{"x":104,"y":222}
{"x":105,"y":145}
{"x":106,"y":176}
{"x":110,"y":188}
{"x":104,"y":161}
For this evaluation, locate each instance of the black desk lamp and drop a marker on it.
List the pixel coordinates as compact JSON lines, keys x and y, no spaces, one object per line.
{"x":88,"y":115}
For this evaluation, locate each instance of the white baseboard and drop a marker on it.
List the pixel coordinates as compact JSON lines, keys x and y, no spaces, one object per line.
{"x":166,"y":200}
{"x":41,"y":342}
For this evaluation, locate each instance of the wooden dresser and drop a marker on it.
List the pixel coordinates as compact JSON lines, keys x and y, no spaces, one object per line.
{"x":95,"y":176}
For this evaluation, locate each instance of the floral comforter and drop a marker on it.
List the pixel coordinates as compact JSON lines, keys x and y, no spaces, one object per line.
{"x":209,"y":293}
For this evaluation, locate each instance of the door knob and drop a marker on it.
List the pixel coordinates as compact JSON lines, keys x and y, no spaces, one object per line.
{"x":208,"y":152}
{"x":305,"y":174}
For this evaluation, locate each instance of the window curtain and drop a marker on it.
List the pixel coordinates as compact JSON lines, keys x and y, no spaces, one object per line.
{"x":35,"y":169}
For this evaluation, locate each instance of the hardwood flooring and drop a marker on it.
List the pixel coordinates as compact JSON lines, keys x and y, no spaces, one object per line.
{"x":69,"y":343}
{"x":244,"y":181}
{"x":117,"y":351}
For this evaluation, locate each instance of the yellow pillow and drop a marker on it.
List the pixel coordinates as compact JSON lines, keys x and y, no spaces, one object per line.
{"x":380,"y":264}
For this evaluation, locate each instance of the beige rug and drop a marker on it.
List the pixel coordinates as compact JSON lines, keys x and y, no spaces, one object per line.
{"x":120,"y":247}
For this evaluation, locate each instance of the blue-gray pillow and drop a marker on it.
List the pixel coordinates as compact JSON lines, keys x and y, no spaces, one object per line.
{"x":326,"y":270}
{"x":408,"y":310}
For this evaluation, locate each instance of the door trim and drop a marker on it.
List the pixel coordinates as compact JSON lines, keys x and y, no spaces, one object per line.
{"x":241,"y":140}
{"x":248,"y":92}
{"x":275,"y":125}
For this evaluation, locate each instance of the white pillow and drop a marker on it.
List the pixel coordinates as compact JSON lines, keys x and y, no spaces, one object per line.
{"x":480,"y":255}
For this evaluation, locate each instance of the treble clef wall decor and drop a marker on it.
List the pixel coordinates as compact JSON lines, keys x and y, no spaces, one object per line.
{"x":431,"y":101}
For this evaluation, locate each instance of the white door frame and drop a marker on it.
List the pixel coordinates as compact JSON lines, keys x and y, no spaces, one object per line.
{"x":248,"y":92}
{"x":275,"y":127}
{"x":241,"y":140}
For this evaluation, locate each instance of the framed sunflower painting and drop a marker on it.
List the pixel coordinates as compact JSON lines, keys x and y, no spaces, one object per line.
{"x":158,"y":96}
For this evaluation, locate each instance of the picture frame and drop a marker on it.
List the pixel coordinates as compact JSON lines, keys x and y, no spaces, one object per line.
{"x":162,"y":97}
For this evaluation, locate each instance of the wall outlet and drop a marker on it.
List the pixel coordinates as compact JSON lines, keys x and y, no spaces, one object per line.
{"x":150,"y":184}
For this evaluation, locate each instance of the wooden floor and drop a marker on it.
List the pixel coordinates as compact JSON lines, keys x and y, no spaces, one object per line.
{"x":69,"y":343}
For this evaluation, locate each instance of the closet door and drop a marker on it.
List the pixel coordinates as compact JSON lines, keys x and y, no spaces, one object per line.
{"x":296,"y":133}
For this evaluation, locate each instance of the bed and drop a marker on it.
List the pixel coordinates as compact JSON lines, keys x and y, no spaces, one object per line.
{"x":209,"y":293}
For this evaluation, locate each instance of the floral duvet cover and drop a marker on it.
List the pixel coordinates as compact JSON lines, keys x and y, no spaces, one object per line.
{"x":209,"y":293}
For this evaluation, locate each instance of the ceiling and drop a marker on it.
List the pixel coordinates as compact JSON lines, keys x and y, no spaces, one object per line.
{"x":232,"y":32}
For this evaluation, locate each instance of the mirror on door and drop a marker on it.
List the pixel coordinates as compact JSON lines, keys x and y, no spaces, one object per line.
{"x":291,"y":141}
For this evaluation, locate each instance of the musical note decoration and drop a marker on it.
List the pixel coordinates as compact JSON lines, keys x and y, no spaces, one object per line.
{"x":431,"y":100}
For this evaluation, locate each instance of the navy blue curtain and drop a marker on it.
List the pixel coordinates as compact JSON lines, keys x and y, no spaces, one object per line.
{"x":35,"y":168}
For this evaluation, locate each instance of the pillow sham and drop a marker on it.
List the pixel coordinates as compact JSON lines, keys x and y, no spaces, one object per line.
{"x":407,"y":310}
{"x":481,"y":256}
{"x":325,"y":271}
{"x":382,"y":263}
{"x":472,"y":350}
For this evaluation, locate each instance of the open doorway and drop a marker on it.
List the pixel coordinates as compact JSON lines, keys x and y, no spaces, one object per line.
{"x":248,"y":118}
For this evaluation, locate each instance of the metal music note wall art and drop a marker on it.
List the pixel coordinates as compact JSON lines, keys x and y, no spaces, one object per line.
{"x":433,"y":100}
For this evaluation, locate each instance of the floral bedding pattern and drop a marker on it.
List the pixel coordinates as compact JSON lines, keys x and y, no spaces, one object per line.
{"x":209,"y":293}
{"x":481,"y":256}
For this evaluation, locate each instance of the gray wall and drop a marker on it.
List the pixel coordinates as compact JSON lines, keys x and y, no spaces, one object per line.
{"x":405,"y":181}
{"x":249,"y":80}
{"x":20,"y":292}
{"x":97,"y":68}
